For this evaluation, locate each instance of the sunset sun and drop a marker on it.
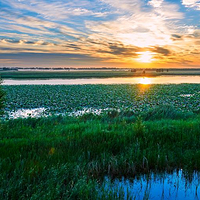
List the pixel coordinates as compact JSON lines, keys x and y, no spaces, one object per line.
{"x":145,"y":57}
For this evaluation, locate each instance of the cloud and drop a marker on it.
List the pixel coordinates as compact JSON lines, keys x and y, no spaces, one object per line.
{"x":156,"y":3}
{"x":163,"y":51}
{"x":126,"y":5}
{"x":117,"y":49}
{"x":141,"y":29}
{"x":55,"y":9}
{"x":34,"y":25}
{"x":191,"y":3}
{"x":103,"y":30}
{"x":9,"y":61}
{"x":176,"y":37}
{"x":26,"y":42}
{"x":47,"y":60}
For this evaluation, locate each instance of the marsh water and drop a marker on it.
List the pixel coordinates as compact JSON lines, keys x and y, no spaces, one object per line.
{"x":132,"y":80}
{"x":177,"y":185}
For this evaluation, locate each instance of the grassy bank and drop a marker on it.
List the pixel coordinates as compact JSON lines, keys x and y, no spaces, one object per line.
{"x":65,"y":157}
{"x":66,"y":74}
{"x":91,"y":74}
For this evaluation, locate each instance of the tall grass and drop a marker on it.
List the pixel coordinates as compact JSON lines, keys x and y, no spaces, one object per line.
{"x":66,"y":157}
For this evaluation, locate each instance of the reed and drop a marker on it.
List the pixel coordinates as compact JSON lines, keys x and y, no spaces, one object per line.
{"x":66,"y":157}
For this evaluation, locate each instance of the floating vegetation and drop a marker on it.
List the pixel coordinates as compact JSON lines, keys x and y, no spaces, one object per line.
{"x":58,"y":99}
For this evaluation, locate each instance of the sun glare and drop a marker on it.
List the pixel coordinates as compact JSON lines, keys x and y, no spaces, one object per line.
{"x":145,"y":81}
{"x":145,"y":57}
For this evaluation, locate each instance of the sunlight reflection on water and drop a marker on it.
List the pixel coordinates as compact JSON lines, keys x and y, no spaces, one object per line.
{"x":25,"y":113}
{"x":133,"y":80}
{"x":145,"y":81}
{"x":42,"y":112}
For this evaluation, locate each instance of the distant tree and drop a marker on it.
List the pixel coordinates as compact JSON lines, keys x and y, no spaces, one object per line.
{"x":2,"y":95}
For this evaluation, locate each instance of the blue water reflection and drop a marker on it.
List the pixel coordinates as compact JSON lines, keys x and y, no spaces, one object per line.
{"x":177,"y":185}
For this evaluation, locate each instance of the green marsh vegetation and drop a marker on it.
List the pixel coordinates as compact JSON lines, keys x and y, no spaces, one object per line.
{"x":149,"y":129}
{"x":2,"y":99}
{"x":91,"y":74}
{"x":67,"y":157}
{"x":65,"y":74}
{"x":136,"y":98}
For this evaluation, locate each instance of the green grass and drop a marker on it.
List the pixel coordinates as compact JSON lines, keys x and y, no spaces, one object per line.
{"x":90,"y":74}
{"x":67,"y":74}
{"x":65,"y":157}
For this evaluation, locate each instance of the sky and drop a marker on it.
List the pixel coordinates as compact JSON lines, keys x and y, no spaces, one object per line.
{"x":100,"y":33}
